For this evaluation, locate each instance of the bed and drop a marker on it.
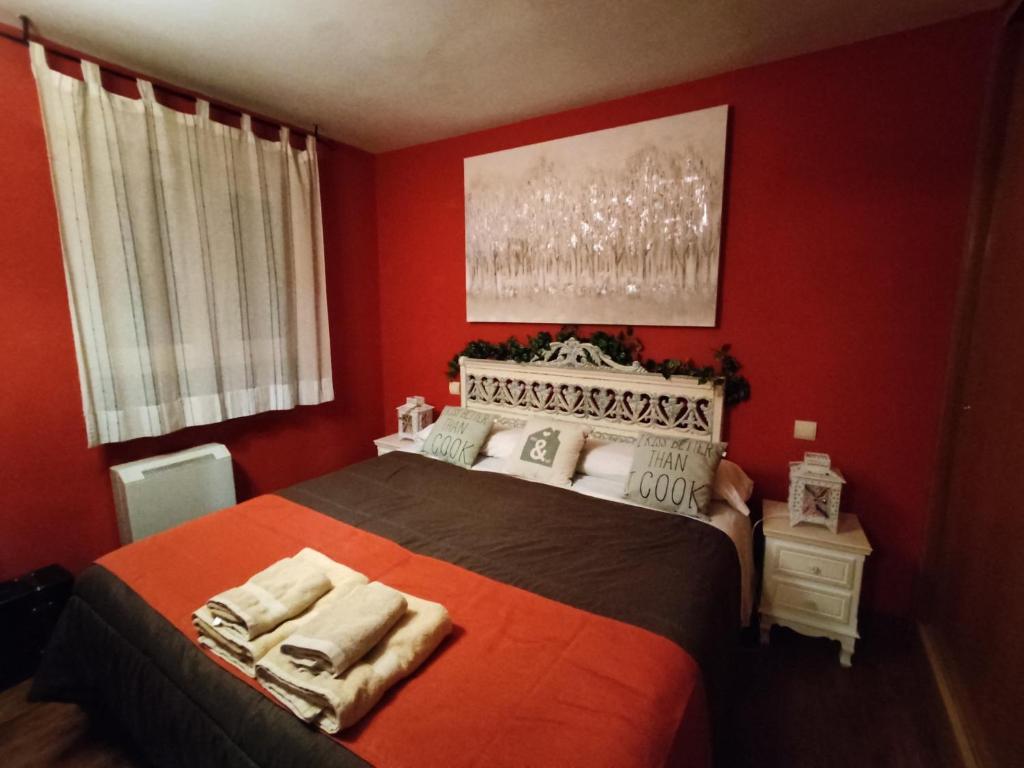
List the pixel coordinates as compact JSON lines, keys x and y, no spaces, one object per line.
{"x":587,"y":632}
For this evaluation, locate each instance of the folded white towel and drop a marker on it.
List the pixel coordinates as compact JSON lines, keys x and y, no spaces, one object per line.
{"x":243,"y":653}
{"x":336,"y":702}
{"x":348,"y":626}
{"x":275,"y":594}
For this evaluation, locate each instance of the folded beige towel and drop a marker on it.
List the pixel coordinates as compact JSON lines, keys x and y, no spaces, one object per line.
{"x":275,"y":594}
{"x":336,"y":702}
{"x":243,"y":653}
{"x":348,"y":627}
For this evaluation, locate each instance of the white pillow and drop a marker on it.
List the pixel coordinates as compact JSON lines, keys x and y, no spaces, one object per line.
{"x":546,"y":451}
{"x":733,"y":486}
{"x":607,"y":459}
{"x":501,"y":441}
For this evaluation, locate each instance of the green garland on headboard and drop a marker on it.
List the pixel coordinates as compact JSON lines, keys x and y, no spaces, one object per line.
{"x":622,"y":347}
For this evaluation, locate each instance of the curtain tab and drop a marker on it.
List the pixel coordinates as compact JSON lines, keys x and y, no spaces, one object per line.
{"x":246,"y":123}
{"x":37,"y":56}
{"x":146,"y":91}
{"x":286,"y":136}
{"x":202,"y":109}
{"x":91,"y":73}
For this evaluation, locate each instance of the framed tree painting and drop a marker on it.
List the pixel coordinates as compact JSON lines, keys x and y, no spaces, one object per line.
{"x":621,"y":226}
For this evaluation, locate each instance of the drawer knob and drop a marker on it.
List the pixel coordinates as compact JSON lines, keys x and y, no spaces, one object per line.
{"x":816,"y":571}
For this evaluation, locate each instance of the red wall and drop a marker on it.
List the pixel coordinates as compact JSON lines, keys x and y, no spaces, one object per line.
{"x":848,"y":183}
{"x":55,"y":497}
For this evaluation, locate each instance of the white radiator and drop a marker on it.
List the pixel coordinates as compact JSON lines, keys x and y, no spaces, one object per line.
{"x":152,"y":495}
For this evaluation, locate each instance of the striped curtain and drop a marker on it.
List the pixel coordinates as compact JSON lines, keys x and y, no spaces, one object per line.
{"x":194,"y":259}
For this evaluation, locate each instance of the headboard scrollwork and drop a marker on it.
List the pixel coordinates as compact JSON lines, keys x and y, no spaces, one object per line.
{"x":576,"y":382}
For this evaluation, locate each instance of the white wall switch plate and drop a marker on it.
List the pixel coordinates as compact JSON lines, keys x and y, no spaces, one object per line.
{"x":454,"y":388}
{"x":805,"y":430}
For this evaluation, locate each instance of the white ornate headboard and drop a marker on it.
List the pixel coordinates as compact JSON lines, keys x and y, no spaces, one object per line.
{"x":577,"y":383}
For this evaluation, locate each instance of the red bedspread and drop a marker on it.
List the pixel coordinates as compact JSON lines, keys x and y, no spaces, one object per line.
{"x":523,"y":680}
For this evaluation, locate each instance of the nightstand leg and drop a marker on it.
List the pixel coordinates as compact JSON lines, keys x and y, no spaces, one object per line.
{"x":846,"y":652}
{"x":766,"y":630}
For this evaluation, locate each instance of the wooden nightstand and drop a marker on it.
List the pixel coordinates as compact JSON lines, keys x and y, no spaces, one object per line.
{"x":390,"y":443}
{"x":812,"y":577}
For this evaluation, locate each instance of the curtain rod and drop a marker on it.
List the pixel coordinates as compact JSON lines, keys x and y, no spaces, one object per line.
{"x":23,"y":40}
{"x":72,"y":55}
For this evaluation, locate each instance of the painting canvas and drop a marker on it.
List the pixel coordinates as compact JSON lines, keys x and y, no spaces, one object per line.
{"x":620,"y":226}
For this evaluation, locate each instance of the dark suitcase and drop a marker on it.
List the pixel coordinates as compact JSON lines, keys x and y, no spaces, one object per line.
{"x":29,"y":607}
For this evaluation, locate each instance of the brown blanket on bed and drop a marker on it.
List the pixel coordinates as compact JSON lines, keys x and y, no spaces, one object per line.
{"x":667,"y":573}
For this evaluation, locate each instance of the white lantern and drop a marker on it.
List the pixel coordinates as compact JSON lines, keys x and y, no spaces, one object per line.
{"x":814,"y":488}
{"x":413,"y":415}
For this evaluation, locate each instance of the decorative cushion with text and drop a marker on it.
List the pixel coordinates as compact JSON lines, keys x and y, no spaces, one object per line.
{"x":458,"y":435}
{"x":674,"y":474}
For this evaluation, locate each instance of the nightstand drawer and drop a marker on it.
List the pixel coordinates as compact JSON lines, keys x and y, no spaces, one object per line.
{"x":803,"y":599}
{"x":832,"y":569}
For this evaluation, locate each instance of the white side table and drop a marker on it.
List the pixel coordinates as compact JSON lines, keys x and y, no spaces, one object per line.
{"x":390,"y":443}
{"x":812,"y":577}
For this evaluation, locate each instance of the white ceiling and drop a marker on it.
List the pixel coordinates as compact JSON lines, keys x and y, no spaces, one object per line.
{"x":383,"y":74}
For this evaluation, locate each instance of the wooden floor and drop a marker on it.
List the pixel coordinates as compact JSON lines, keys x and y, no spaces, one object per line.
{"x":798,"y":709}
{"x":34,"y":734}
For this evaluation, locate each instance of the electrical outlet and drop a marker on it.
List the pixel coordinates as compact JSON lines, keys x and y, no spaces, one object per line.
{"x":805,"y":430}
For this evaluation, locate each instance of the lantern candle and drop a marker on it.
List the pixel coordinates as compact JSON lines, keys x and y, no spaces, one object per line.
{"x":413,"y":415}
{"x":814,"y":489}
